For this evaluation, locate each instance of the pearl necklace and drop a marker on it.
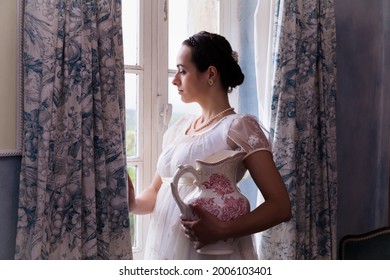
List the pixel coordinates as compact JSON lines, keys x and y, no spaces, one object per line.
{"x":210,"y":120}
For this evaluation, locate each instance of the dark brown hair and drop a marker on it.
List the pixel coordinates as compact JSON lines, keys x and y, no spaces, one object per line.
{"x":210,"y":49}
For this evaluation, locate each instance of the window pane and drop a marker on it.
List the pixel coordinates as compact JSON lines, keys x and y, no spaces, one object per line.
{"x":187,"y":17}
{"x":179,"y":108}
{"x":131,"y":95}
{"x":130,"y":23}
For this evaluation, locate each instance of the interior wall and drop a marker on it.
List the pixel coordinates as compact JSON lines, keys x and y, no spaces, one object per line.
{"x":247,"y":96}
{"x":362,"y":114}
{"x":9,"y":192}
{"x":8,"y":57}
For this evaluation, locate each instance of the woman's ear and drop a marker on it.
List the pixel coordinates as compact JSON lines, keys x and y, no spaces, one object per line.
{"x":212,"y":72}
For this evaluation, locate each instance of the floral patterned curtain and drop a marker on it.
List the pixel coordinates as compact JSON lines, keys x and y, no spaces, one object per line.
{"x":73,"y":192}
{"x":303,"y":125}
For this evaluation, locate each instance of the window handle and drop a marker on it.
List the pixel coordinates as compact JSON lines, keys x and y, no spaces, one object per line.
{"x":165,"y":116}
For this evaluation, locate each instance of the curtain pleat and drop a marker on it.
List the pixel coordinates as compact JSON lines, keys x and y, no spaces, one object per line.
{"x":73,"y":182}
{"x":303,"y":128}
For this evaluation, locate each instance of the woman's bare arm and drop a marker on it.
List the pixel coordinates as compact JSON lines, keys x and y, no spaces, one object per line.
{"x":144,"y":202}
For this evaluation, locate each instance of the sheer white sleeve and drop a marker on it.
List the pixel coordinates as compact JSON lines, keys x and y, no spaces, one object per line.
{"x":247,"y":133}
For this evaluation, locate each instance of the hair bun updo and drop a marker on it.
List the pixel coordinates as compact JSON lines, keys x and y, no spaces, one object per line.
{"x":210,"y":49}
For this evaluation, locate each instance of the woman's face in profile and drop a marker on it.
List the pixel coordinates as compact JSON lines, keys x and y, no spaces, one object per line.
{"x":189,"y":81}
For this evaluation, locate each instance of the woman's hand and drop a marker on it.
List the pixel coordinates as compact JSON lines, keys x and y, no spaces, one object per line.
{"x":131,"y":192}
{"x":206,"y":229}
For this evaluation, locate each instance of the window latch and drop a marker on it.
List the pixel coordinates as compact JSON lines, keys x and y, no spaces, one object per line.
{"x":165,"y":116}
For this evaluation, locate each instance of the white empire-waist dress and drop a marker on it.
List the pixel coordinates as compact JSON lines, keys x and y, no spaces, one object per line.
{"x":166,"y":239}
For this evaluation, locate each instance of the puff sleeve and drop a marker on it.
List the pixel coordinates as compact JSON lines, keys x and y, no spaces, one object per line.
{"x":246,"y":132}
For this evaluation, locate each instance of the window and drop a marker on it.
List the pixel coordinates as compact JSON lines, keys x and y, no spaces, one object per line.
{"x":152,"y":34}
{"x":186,"y":18}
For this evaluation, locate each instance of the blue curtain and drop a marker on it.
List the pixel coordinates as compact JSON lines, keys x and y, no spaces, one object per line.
{"x":73,"y":192}
{"x":303,"y":126}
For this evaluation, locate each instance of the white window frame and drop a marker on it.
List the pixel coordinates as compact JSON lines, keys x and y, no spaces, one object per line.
{"x":152,"y":97}
{"x":153,"y":104}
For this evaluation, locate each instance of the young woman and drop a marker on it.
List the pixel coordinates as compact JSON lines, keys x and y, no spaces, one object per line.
{"x":207,"y":70}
